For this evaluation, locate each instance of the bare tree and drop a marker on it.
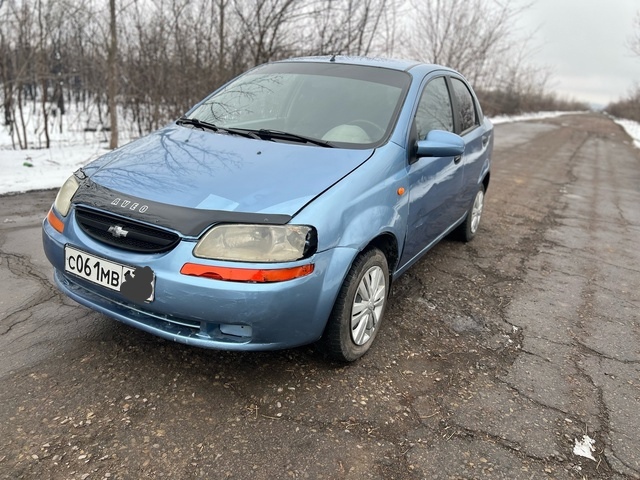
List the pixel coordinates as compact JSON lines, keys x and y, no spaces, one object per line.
{"x":18,"y":59}
{"x":628,"y":107}
{"x":7,"y":77}
{"x":350,"y":27}
{"x":634,"y":41}
{"x":42,"y":69}
{"x":113,"y":75}
{"x":466,"y":35}
{"x":266,"y":25}
{"x":147,"y":61}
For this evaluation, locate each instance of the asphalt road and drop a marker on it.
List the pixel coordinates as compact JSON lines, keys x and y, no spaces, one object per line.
{"x":496,"y":356}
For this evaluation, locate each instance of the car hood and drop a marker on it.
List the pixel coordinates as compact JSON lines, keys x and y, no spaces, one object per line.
{"x":199,"y":169}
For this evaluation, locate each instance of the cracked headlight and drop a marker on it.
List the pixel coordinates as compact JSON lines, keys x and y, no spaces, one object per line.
{"x":62,"y":202}
{"x":257,"y":243}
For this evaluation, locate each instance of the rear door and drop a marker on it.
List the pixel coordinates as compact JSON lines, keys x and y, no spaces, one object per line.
{"x":469,"y":125}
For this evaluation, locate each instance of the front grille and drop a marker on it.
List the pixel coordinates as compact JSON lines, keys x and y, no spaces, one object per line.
{"x":125,"y":233}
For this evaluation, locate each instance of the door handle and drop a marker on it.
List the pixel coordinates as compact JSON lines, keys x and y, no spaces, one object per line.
{"x":485,"y":140}
{"x":457,"y":159}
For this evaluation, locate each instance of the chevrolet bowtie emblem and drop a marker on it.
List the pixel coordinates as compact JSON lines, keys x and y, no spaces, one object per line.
{"x":117,"y":231}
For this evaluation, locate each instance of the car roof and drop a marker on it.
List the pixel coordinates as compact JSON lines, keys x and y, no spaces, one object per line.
{"x":391,"y":63}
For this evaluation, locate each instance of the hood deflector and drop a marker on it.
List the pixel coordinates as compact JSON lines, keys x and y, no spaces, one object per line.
{"x":190,"y":222}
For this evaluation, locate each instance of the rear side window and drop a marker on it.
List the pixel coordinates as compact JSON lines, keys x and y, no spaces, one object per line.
{"x":466,"y":105}
{"x":434,"y":110}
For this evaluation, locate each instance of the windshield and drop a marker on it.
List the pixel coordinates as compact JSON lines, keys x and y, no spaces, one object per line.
{"x":350,"y":106}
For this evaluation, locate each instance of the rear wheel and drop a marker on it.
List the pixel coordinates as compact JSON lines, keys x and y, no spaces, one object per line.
{"x":359,"y":308}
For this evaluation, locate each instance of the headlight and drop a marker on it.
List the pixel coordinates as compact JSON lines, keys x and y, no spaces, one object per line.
{"x":257,"y":243}
{"x":66,"y":193}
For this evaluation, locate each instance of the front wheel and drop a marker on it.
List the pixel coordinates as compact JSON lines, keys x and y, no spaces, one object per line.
{"x":359,"y":308}
{"x":468,"y":229}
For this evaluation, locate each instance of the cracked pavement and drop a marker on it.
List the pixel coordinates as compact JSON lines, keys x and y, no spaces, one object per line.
{"x":494,"y":358}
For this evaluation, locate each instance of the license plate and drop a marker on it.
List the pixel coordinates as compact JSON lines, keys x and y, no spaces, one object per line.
{"x":108,"y":274}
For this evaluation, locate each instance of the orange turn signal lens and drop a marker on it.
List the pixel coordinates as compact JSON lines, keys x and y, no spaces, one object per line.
{"x":54,"y":221}
{"x":253,"y":275}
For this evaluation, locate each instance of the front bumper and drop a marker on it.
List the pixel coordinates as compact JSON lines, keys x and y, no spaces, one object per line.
{"x":204,"y":312}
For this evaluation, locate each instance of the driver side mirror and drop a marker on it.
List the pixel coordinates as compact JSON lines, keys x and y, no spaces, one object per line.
{"x":440,"y":144}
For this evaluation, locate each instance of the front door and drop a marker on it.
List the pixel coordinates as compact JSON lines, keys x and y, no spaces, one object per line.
{"x":434,"y":182}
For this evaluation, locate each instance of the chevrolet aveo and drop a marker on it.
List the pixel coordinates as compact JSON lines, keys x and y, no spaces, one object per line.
{"x":277,"y":211}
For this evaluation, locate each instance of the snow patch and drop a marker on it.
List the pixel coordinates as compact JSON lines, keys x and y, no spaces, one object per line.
{"x":35,"y":169}
{"x":632,"y":128}
{"x":498,"y":119}
{"x":76,"y":138}
{"x":585,"y":447}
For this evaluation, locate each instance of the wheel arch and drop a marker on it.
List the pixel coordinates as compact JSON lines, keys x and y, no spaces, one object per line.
{"x":334,"y":341}
{"x":485,"y":180}
{"x":387,"y":243}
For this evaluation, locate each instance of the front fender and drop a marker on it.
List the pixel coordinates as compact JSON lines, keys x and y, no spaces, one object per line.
{"x":371,"y":200}
{"x":372,"y":223}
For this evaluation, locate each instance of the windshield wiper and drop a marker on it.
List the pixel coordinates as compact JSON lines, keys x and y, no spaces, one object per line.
{"x":263,"y":134}
{"x":213,"y":127}
{"x":266,"y":134}
{"x":197,"y":123}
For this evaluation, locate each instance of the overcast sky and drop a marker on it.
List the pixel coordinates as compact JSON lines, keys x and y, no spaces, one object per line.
{"x":584,"y":42}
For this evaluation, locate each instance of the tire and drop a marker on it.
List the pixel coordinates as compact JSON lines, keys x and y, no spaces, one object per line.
{"x":349,"y":335}
{"x":468,"y":229}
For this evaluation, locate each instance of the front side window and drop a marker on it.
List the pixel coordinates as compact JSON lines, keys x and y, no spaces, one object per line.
{"x":434,"y":110}
{"x":466,"y":105}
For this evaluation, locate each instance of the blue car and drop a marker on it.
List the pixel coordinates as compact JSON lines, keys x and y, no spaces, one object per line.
{"x":277,"y":211}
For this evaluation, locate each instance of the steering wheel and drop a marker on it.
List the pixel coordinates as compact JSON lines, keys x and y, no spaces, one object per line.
{"x":374,"y":130}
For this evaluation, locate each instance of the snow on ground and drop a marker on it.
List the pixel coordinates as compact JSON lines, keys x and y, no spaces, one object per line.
{"x":32,"y":169}
{"x":79,"y":141}
{"x":585,"y":447}
{"x":41,"y":168}
{"x":632,"y":128}
{"x":529,"y":116}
